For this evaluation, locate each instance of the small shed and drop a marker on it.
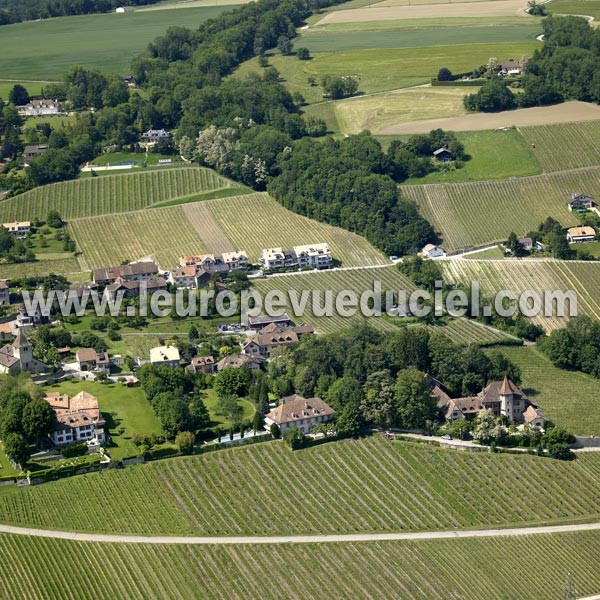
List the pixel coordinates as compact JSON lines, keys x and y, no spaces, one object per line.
{"x":442,"y":155}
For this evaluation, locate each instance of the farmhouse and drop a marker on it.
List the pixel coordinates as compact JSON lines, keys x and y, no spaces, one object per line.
{"x":4,"y":293}
{"x":139,"y":271}
{"x":202,"y":364}
{"x":511,"y":67}
{"x":38,"y":108}
{"x":18,"y":356}
{"x":133,"y":289}
{"x":238,"y":361}
{"x":432,"y":251}
{"x":79,"y":418}
{"x":580,"y":202}
{"x":296,"y":411}
{"x":576,"y":235}
{"x":90,"y":360}
{"x":165,"y":355}
{"x":501,"y":397}
{"x":20,"y":229}
{"x":442,"y":155}
{"x":273,"y":336}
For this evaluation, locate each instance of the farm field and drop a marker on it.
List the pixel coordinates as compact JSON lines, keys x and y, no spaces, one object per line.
{"x":467,"y":331}
{"x":471,"y":214}
{"x":122,"y":407}
{"x":33,"y":87}
{"x":369,"y":485}
{"x":419,"y":570}
{"x":111,"y":194}
{"x":359,"y":281}
{"x":554,"y":391}
{"x":575,"y":7}
{"x":494,"y":155}
{"x":277,"y":226}
{"x":384,"y":11}
{"x":566,"y":112}
{"x":43,"y":266}
{"x":565,"y":146}
{"x":520,"y":275}
{"x":104,"y":41}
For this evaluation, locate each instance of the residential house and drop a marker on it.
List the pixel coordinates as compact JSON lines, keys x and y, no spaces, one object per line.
{"x":273,"y":336}
{"x":296,"y":411}
{"x":155,"y":135}
{"x":90,"y":360}
{"x":18,"y":356}
{"x":20,"y":229}
{"x":184,"y":277}
{"x":210,"y":263}
{"x":39,"y":108}
{"x":580,"y":202}
{"x":237,"y":260}
{"x":442,"y":155}
{"x":202,"y":364}
{"x":511,"y":68}
{"x":137,"y":271}
{"x":577,"y":235}
{"x":78,"y":418}
{"x":262,"y":321}
{"x":317,"y":256}
{"x":29,"y":316}
{"x":165,"y":355}
{"x":4,"y":293}
{"x":238,"y":361}
{"x":432,"y":251}
{"x":133,"y":289}
{"x":277,"y":258}
{"x":527,"y":243}
{"x":501,"y":397}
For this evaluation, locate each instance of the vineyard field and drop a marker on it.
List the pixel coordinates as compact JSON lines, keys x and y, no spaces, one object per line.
{"x":565,"y":146}
{"x":257,"y":221}
{"x":40,"y":267}
{"x":476,"y":213}
{"x":519,"y":276}
{"x":369,"y":485}
{"x":110,"y":194}
{"x":163,"y":234}
{"x":553,"y":389}
{"x":466,"y":331}
{"x":419,"y":570}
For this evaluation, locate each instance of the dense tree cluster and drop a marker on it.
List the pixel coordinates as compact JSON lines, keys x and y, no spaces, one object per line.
{"x":576,"y":346}
{"x":16,"y":11}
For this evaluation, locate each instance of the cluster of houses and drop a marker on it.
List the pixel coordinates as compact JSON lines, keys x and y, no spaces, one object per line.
{"x":315,"y":256}
{"x":581,"y":203}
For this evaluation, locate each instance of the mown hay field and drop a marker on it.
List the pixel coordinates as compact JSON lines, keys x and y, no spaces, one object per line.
{"x":415,"y":570}
{"x":110,"y":194}
{"x":365,"y":485}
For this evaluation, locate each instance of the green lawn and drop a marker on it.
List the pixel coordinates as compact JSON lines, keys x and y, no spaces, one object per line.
{"x":217,"y":420}
{"x":495,"y":252}
{"x":592,"y":247}
{"x":46,"y":49}
{"x":122,"y":407}
{"x":575,"y":7}
{"x":5,"y":467}
{"x":493,"y":155}
{"x":140,"y":158}
{"x":568,"y":398}
{"x":33,"y":87}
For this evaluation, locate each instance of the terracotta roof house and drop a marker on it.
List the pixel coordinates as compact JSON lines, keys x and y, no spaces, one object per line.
{"x":237,"y":361}
{"x":273,"y":336}
{"x":202,"y":364}
{"x":133,"y":289}
{"x":79,"y":418}
{"x":138,"y":271}
{"x":90,"y":360}
{"x":432,"y":251}
{"x":577,"y":235}
{"x":18,"y":356}
{"x":296,"y":411}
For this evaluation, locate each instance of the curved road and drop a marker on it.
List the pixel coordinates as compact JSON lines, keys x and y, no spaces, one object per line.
{"x":296,"y":539}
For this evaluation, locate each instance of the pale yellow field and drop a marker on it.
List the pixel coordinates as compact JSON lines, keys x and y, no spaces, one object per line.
{"x":379,"y":112}
{"x":191,"y":4}
{"x":392,"y":10}
{"x":568,"y":112}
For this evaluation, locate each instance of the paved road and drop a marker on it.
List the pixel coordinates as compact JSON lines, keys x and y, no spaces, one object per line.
{"x":297,"y":539}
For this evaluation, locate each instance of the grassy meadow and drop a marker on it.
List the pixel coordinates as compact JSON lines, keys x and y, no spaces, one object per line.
{"x":104,"y":41}
{"x":370,"y":485}
{"x":575,"y":7}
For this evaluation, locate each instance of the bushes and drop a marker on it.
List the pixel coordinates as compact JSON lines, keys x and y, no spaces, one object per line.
{"x":74,"y":450}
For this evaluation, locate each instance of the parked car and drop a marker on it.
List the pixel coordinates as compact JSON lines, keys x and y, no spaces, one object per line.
{"x":446,"y":437}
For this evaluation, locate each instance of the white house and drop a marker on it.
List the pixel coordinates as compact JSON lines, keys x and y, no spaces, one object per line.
{"x":296,"y":411}
{"x":235,"y":260}
{"x":20,"y":229}
{"x":165,"y":355}
{"x":511,"y":68}
{"x":38,"y":108}
{"x":433,"y":251}
{"x":317,"y":256}
{"x":576,"y":235}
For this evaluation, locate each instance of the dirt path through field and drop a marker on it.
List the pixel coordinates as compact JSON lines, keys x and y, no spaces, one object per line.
{"x":494,"y":8}
{"x":568,"y":112}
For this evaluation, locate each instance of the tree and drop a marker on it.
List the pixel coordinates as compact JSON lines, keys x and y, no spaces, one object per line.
{"x":198,"y":411}
{"x":229,"y":407}
{"x":284,"y":45}
{"x":230,"y":382}
{"x":275,"y":431}
{"x":493,"y":96}
{"x":487,"y":428}
{"x":445,"y":74}
{"x":185,"y":441}
{"x":39,"y":419}
{"x":54,"y":219}
{"x":415,"y":404}
{"x":17,"y":448}
{"x":54,"y":165}
{"x":303,"y":54}
{"x":18,"y":95}
{"x":193,"y":333}
{"x":258,"y":421}
{"x":349,"y":421}
{"x":293,"y":438}
{"x":514,"y":245}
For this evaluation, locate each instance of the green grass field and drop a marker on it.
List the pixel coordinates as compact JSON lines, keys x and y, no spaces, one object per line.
{"x":519,"y":276}
{"x":121,"y":407}
{"x":568,"y":398}
{"x":575,"y":7}
{"x":33,"y":87}
{"x":471,"y":214}
{"x":104,"y":41}
{"x":149,"y":159}
{"x":358,"y":486}
{"x":565,"y":146}
{"x":218,"y":420}
{"x":494,"y":155}
{"x":111,"y":194}
{"x":423,"y":570}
